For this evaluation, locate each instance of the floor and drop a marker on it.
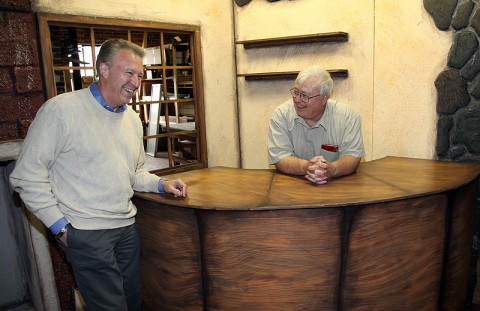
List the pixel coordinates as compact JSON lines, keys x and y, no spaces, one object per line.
{"x":24,"y":307}
{"x":155,"y":163}
{"x":474,"y":307}
{"x":476,"y":293}
{"x":160,"y":161}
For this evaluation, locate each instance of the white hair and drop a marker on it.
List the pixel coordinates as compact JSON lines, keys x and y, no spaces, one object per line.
{"x":322,"y":78}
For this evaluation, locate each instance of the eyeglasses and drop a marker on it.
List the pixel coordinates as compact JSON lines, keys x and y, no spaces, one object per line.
{"x":303,"y":97}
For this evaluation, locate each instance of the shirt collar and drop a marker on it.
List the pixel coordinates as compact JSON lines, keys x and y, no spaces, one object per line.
{"x":326,"y":120}
{"x":322,"y":122}
{"x":98,"y":96}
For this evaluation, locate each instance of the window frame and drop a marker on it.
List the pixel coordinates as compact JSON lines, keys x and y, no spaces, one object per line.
{"x":47,"y":20}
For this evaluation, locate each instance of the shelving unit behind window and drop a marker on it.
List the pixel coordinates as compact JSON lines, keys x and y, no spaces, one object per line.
{"x":170,"y":100}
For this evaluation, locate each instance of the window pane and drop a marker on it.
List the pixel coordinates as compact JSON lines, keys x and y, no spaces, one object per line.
{"x":137,"y":37}
{"x":159,"y":159}
{"x":60,"y":81}
{"x":185,"y":149}
{"x":102,"y":35}
{"x":65,"y":45}
{"x":70,"y":80}
{"x":170,"y":84}
{"x":166,"y":102}
{"x":86,"y":53}
{"x":184,"y":83}
{"x":152,"y":39}
{"x":177,"y":47}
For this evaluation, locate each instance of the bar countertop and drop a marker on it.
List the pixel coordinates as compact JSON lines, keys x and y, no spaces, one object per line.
{"x":386,"y":179}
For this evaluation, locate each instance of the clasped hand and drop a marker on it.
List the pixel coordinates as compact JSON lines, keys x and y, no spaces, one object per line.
{"x":177,"y":187}
{"x":317,"y":170}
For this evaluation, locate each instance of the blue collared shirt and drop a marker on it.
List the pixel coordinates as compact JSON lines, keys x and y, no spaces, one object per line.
{"x":98,"y":96}
{"x":62,"y":222}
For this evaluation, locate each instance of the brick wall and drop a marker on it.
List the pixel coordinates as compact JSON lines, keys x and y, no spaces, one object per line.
{"x":21,"y":88}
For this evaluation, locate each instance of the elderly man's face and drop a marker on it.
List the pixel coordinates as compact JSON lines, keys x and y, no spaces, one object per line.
{"x":312,"y":110}
{"x":121,"y":78}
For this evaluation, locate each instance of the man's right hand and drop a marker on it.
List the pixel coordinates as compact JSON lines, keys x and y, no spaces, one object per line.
{"x":317,"y":170}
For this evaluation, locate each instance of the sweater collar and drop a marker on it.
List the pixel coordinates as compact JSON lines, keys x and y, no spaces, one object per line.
{"x":98,"y":96}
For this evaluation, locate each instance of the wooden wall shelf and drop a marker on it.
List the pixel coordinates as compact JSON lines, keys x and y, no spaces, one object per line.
{"x":312,"y":38}
{"x":335,"y":73}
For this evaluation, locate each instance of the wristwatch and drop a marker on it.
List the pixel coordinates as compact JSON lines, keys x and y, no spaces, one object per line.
{"x":61,"y":233}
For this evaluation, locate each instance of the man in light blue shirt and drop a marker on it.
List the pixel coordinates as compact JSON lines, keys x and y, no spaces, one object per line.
{"x":313,"y":135}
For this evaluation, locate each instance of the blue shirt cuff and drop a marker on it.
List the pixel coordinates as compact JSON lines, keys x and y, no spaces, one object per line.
{"x":59,"y":224}
{"x":160,"y":185}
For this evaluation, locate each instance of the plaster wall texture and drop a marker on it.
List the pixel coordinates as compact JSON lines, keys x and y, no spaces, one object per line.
{"x":216,"y":22}
{"x":257,"y":100}
{"x":410,"y":52}
{"x":393,"y":55}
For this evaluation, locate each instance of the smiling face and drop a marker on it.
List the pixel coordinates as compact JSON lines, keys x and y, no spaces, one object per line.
{"x":313,"y":110}
{"x":121,"y":78}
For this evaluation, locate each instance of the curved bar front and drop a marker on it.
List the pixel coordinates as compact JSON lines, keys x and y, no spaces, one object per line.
{"x":395,"y":235}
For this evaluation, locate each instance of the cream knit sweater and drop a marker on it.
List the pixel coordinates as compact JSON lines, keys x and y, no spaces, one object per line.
{"x":82,"y":162}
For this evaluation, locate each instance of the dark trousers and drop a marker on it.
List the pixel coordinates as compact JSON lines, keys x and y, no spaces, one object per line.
{"x":106,"y":265}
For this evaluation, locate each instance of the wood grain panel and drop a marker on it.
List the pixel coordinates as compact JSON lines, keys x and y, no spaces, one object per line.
{"x":272,"y":260}
{"x":462,"y":211}
{"x":220,"y":188}
{"x":395,"y":255}
{"x":416,"y":176}
{"x":356,"y":189}
{"x":170,"y":257}
{"x":395,"y":235}
{"x":387,"y":179}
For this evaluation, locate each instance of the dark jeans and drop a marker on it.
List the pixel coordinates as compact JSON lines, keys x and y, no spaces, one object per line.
{"x":106,"y":264}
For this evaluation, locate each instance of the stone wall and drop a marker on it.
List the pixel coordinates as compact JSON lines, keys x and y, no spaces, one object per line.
{"x":458,"y":101}
{"x":458,"y":86}
{"x":21,"y":88}
{"x":25,"y":257}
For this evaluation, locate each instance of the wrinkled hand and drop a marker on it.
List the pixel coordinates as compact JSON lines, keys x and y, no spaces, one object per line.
{"x":317,"y":171}
{"x":177,"y":187}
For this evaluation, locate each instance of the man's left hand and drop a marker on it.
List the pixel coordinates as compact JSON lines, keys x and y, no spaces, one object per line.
{"x":177,"y":187}
{"x":317,"y":171}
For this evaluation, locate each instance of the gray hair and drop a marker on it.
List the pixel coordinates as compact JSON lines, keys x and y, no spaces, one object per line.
{"x":110,"y":48}
{"x":321,"y":78}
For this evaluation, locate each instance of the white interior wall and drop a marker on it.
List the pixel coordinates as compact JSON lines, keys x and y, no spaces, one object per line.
{"x":216,"y":22}
{"x":410,"y":52}
{"x":393,"y":56}
{"x":257,"y":99}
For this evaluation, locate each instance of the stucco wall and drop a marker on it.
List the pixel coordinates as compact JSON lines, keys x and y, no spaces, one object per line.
{"x":410,"y":52}
{"x":393,"y":56}
{"x":216,"y":22}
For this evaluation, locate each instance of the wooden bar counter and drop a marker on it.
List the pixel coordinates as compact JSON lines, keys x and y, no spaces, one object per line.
{"x":395,"y":235}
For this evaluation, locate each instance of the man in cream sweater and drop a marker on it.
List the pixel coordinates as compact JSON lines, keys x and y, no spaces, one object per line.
{"x":79,"y":165}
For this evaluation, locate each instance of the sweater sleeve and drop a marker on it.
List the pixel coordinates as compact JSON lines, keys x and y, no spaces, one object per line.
{"x":30,"y":178}
{"x":144,"y":180}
